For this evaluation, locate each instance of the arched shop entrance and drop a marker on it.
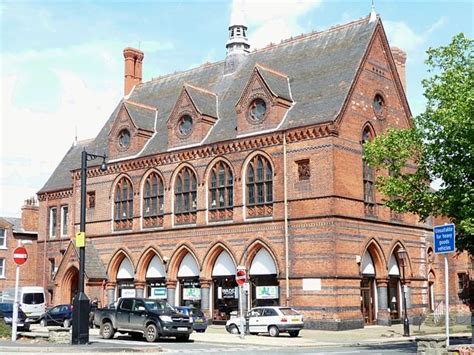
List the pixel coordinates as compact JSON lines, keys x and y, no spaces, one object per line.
{"x":155,"y":279}
{"x":225,"y":290}
{"x":394,"y":289}
{"x":188,"y":282}
{"x":263,"y":279}
{"x":125,"y":280}
{"x":367,"y":289}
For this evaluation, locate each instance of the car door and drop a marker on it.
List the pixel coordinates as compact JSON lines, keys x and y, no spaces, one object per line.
{"x":123,"y":313}
{"x":270,"y":317}
{"x":255,"y":320}
{"x":53,"y":315}
{"x":137,"y":315}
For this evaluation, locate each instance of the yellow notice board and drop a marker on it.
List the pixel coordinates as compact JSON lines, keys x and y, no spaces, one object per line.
{"x":80,"y":239}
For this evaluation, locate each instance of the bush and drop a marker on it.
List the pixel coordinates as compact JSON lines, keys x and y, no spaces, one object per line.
{"x":5,"y":330}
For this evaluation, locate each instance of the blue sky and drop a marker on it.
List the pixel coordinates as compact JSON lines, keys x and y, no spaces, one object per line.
{"x":61,"y":63}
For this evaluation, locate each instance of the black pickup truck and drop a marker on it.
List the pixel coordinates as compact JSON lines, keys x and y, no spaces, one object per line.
{"x":143,"y":317}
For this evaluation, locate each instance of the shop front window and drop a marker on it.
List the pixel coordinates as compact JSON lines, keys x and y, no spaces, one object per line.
{"x":190,"y":292}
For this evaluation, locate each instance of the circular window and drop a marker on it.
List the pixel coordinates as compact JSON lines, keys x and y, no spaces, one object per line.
{"x":379,"y":105}
{"x":185,"y":125}
{"x":257,"y":110}
{"x":124,"y":138}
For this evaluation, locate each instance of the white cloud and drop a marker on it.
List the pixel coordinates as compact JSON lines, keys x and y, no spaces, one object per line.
{"x":272,"y":21}
{"x":403,"y":36}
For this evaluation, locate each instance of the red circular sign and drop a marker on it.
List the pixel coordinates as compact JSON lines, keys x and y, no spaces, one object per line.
{"x":241,"y":277}
{"x":20,"y":255}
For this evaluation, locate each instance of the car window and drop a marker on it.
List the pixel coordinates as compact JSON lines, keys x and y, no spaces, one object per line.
{"x":55,"y":310}
{"x":139,"y":306}
{"x":269,"y":312}
{"x":33,"y":298}
{"x":158,"y":305}
{"x":255,"y":312}
{"x":126,"y":304}
{"x":288,"y":312}
{"x":195,"y":313}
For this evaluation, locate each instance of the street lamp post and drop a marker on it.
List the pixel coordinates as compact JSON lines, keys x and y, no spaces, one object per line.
{"x":402,"y":255}
{"x":81,"y":306}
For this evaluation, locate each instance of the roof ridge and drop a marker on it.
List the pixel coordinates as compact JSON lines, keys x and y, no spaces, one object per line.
{"x":207,"y":64}
{"x":258,"y":65}
{"x":140,"y":105}
{"x":200,"y":89}
{"x":305,"y":36}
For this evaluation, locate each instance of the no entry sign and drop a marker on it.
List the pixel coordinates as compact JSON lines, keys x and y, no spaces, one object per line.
{"x":241,"y":277}
{"x":20,"y":255}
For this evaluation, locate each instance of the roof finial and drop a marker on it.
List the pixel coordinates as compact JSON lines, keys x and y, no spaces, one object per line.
{"x":373,"y":14}
{"x":237,"y":45}
{"x":75,"y":136}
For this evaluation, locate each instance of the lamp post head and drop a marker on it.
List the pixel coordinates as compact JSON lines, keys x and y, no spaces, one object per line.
{"x":103,"y":166}
{"x":402,"y":255}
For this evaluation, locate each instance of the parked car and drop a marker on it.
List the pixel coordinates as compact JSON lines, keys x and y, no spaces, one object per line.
{"x":57,"y":315}
{"x":196,"y":316}
{"x":143,"y":317}
{"x":31,"y":299}
{"x":6,"y":312}
{"x":271,"y":320}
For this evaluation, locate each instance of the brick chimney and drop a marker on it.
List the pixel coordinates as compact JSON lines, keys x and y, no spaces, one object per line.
{"x":133,"y":68}
{"x":29,"y":215}
{"x":400,"y":57}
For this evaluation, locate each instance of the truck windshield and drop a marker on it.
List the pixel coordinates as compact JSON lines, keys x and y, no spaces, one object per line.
{"x":153,"y":305}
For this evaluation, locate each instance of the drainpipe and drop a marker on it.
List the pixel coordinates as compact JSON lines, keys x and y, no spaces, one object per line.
{"x":285,"y":201}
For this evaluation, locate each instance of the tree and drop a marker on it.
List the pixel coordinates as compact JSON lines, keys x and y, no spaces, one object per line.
{"x":439,"y":146}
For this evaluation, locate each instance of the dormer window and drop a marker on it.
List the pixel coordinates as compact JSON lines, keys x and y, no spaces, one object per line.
{"x":124,"y":138}
{"x":185,"y":125}
{"x":257,"y":110}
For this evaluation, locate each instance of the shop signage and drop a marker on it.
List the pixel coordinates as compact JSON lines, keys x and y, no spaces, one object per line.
{"x":229,"y":293}
{"x":157,"y":283}
{"x":158,"y":292}
{"x":123,"y":284}
{"x":191,"y":294}
{"x":444,"y":238}
{"x":190,"y":283}
{"x":127,"y":292}
{"x":266,"y":292}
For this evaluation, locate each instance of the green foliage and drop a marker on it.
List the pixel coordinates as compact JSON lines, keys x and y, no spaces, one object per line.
{"x":5,"y":330}
{"x":439,"y":147}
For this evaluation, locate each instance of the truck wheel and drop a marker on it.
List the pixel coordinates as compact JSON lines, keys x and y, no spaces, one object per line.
{"x":107,"y":330}
{"x":67,"y":323}
{"x":234,"y":329}
{"x":273,"y":331}
{"x":151,"y":333}
{"x":293,"y":333}
{"x":183,"y":337}
{"x":43,"y":322}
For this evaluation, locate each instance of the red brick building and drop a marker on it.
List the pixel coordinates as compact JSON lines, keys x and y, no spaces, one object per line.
{"x":19,"y":232}
{"x":252,"y":161}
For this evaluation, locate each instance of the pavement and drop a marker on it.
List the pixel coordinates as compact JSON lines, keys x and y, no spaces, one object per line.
{"x":34,"y":341}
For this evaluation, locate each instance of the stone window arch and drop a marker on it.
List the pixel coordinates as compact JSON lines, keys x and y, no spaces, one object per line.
{"x":123,"y":204}
{"x":185,"y":196}
{"x":259,"y":184}
{"x":368,"y":175}
{"x":153,"y":201}
{"x":221,"y":191}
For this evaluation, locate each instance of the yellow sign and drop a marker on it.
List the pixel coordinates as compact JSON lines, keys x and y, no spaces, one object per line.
{"x":80,"y":239}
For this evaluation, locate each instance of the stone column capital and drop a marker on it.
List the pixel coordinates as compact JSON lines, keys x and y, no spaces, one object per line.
{"x":382,"y":282}
{"x":205,"y":283}
{"x":140,"y":284}
{"x":110,"y":285}
{"x":171,"y":283}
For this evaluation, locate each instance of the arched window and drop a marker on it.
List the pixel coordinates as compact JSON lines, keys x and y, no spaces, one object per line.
{"x":259,"y":187}
{"x":123,"y":216}
{"x":185,"y":193}
{"x":368,"y":177}
{"x":153,"y":203}
{"x":221,"y":192}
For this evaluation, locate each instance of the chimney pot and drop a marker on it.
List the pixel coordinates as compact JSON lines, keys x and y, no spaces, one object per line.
{"x":133,"y":68}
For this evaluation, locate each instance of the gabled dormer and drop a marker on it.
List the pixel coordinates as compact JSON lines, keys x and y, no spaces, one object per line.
{"x":133,"y":127}
{"x":192,"y":117}
{"x":264,"y":101}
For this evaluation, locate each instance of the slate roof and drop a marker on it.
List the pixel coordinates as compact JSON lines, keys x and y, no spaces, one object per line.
{"x":17,"y":225}
{"x":205,"y":102}
{"x":277,"y":83}
{"x":94,"y":268}
{"x":321,"y":68}
{"x":143,"y":118}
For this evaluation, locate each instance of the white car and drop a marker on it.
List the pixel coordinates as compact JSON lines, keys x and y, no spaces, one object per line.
{"x":271,"y":320}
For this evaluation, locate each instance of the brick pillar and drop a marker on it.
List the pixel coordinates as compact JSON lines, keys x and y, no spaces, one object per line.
{"x":140,"y":288}
{"x":110,"y":287}
{"x":205,"y":296}
{"x":171,"y":291}
{"x":383,"y":314}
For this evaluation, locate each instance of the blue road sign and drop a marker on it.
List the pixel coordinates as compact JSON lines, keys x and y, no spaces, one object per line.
{"x":444,"y":238}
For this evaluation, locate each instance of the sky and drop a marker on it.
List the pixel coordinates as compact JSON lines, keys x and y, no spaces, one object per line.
{"x":61,"y":62}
